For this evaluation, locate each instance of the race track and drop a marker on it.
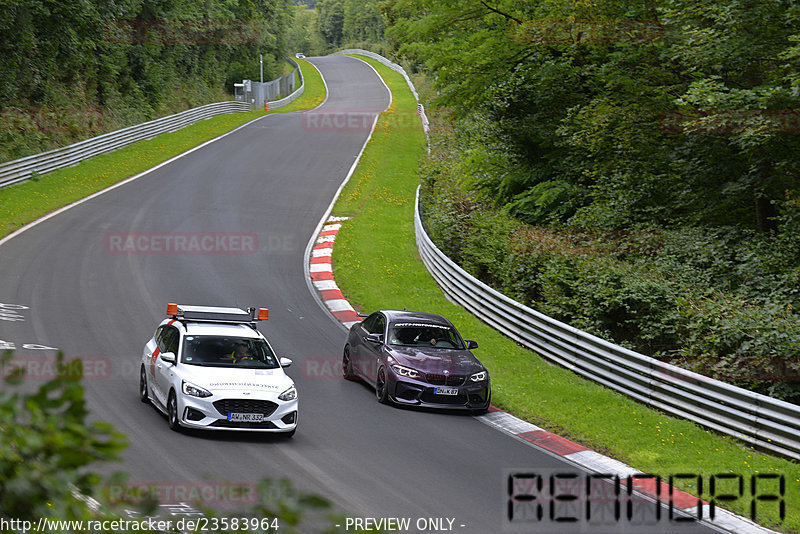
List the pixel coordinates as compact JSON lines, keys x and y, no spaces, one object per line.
{"x":272,"y":180}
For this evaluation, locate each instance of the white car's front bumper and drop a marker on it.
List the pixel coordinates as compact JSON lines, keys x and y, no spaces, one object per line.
{"x":207,"y":413}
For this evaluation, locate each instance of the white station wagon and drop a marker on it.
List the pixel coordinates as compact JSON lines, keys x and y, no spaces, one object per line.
{"x":210,"y":368}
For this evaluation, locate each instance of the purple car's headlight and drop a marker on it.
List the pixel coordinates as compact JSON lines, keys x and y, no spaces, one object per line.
{"x":405,"y":371}
{"x":478,"y":377}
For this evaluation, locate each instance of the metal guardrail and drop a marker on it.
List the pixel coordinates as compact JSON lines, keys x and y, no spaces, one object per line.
{"x":758,"y":420}
{"x":21,"y":169}
{"x":297,"y":92}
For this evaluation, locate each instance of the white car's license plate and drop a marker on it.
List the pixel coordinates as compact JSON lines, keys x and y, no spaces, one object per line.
{"x":246,"y":417}
{"x":446,"y":391}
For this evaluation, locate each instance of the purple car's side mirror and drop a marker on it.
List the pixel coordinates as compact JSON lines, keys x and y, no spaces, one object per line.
{"x":472,"y":344}
{"x":374,"y":338}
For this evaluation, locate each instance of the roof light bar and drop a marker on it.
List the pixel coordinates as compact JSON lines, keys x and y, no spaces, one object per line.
{"x":216,"y":314}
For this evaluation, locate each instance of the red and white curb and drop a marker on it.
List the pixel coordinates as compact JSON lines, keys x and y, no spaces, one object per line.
{"x":600,"y":464}
{"x":320,"y":270}
{"x":321,"y":273}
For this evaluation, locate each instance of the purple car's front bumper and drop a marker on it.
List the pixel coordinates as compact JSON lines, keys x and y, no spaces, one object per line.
{"x":468,"y":395}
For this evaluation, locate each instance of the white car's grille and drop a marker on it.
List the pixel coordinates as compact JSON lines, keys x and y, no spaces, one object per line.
{"x":226,"y":406}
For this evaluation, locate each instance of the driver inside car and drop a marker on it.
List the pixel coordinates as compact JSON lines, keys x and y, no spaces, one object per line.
{"x":240,"y":353}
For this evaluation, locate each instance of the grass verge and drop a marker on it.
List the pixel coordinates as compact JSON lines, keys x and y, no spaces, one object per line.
{"x":25,"y":202}
{"x":378,"y":267}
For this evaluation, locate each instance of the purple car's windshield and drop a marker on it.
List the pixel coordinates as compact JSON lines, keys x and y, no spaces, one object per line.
{"x":424,"y":335}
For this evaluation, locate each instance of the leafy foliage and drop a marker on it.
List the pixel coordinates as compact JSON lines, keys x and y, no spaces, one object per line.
{"x":48,"y":451}
{"x":345,"y":23}
{"x":717,"y":300}
{"x":665,"y":112}
{"x":45,"y":446}
{"x":69,"y":70}
{"x":654,"y":147}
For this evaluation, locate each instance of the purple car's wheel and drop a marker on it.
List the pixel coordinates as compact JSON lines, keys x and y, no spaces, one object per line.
{"x":381,"y":390}
{"x":347,"y":365}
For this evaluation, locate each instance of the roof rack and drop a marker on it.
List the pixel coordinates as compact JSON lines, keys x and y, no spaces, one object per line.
{"x":216,"y":314}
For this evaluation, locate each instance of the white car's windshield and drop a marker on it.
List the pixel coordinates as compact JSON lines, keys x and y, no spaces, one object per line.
{"x":424,"y":335}
{"x":221,"y":351}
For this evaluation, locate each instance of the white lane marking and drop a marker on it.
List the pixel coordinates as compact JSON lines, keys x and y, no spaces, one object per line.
{"x":10,"y":345}
{"x":52,"y":214}
{"x":321,"y":252}
{"x":391,"y":96}
{"x":11,"y":312}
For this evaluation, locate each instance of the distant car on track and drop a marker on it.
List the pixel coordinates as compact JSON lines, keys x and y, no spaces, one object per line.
{"x":299,"y":55}
{"x":210,"y":368}
{"x":416,"y":359}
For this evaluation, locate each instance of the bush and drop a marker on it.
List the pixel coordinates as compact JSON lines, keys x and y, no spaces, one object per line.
{"x":719,"y":301}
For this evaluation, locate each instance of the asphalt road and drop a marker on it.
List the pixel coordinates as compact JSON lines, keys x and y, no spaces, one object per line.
{"x":271,"y":180}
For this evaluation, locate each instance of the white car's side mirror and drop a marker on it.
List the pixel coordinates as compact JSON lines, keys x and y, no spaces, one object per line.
{"x":286,"y":362}
{"x":168,"y":357}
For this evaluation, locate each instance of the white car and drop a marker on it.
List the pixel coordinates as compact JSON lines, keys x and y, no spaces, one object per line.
{"x":210,"y":368}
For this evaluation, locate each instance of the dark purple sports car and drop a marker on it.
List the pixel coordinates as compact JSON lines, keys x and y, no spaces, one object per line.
{"x":417,"y":359}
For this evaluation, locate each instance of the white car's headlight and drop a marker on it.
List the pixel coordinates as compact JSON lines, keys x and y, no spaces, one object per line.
{"x":195,"y":391}
{"x":405,"y":371}
{"x":477,"y":377}
{"x":289,"y":394}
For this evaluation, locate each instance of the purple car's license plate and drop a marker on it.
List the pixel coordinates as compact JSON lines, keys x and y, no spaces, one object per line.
{"x":445,"y":391}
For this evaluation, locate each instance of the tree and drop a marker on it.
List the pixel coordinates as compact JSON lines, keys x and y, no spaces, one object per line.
{"x":48,"y":450}
{"x":330,"y":21}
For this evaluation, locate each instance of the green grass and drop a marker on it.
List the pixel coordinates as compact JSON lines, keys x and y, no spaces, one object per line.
{"x":25,"y":202}
{"x":378,"y":267}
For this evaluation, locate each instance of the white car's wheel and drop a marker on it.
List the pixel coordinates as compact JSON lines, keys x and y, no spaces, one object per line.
{"x":143,"y":395}
{"x":172,"y":412}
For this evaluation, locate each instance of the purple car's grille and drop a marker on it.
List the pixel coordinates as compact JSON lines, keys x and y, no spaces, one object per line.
{"x":445,"y":380}
{"x":430,"y":397}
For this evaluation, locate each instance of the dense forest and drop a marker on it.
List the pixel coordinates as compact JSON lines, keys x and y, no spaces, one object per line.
{"x":69,"y":70}
{"x":325,"y":26}
{"x":628,"y":167}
